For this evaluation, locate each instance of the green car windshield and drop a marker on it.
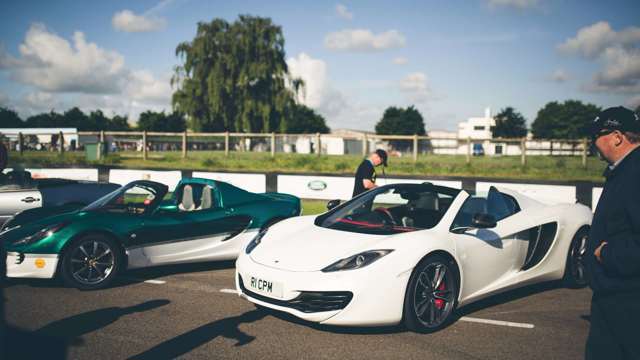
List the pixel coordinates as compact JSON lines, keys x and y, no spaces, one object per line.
{"x":135,"y":198}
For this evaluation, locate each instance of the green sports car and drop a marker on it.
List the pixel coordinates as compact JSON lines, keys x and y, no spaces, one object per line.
{"x":140,"y":225}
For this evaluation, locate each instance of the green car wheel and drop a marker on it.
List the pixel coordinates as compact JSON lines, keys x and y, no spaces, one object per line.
{"x":91,"y":262}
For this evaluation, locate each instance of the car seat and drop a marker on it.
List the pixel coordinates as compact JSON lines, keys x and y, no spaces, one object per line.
{"x":187,"y":203}
{"x":206,"y":200}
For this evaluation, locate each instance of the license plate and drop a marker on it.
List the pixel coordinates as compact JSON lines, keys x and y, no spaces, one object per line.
{"x":265,"y":287}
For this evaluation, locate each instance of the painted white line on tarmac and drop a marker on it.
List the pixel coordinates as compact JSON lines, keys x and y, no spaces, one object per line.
{"x":229,"y":291}
{"x":497,"y":322}
{"x":155,"y":282}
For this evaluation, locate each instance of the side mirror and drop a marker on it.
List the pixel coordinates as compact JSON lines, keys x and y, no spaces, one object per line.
{"x":332,"y":204}
{"x":483,"y":221}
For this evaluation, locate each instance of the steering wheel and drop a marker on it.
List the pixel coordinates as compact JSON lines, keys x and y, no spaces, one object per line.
{"x":386,"y":215}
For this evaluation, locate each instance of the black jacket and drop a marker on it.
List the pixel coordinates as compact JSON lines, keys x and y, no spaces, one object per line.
{"x":617,"y":221}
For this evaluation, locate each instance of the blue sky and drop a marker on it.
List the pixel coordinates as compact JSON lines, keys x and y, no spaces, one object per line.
{"x":450,"y":59}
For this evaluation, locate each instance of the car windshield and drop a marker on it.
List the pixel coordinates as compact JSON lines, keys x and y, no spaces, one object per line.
{"x":391,"y":209}
{"x":134,"y":198}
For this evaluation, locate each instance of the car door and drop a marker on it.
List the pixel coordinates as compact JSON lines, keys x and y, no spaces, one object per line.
{"x":190,"y":233}
{"x":489,"y":257}
{"x":14,"y":199}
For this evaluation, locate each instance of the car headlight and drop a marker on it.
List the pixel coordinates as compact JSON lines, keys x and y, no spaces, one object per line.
{"x":255,"y":241}
{"x":44,"y":233}
{"x":357,"y":261}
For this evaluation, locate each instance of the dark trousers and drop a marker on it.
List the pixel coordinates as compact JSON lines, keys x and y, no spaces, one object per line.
{"x":615,"y":327}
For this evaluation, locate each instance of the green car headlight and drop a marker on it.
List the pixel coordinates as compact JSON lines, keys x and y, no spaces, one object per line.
{"x":42,"y":234}
{"x":357,"y":261}
{"x":255,"y":241}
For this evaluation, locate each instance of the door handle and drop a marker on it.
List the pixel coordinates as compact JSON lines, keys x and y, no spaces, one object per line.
{"x":230,"y":211}
{"x":29,"y":199}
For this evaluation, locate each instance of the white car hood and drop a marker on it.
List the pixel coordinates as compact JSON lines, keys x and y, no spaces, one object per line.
{"x":298,"y":244}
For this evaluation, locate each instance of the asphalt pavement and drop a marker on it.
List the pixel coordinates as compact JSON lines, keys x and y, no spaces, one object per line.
{"x":192,"y":312}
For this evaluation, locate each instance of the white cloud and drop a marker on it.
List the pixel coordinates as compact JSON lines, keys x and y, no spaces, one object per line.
{"x":364,"y":40}
{"x":634,"y":102}
{"x":53,"y":64}
{"x":400,"y":60}
{"x":128,"y":21}
{"x":318,"y":93}
{"x":64,"y":74}
{"x":591,"y":41}
{"x":519,"y":4}
{"x":617,"y":51}
{"x":416,"y":88}
{"x":343,"y":12}
{"x":4,"y":99}
{"x":559,"y":76}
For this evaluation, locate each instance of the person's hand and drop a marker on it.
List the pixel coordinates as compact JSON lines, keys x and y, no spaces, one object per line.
{"x":598,"y":251}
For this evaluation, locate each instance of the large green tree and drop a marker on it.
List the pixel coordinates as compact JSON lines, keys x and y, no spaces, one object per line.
{"x":509,"y":124}
{"x":161,"y":122}
{"x":234,"y":77}
{"x":638,"y":110}
{"x":10,"y":119}
{"x":305,"y":120}
{"x":400,"y":121}
{"x":568,"y":120}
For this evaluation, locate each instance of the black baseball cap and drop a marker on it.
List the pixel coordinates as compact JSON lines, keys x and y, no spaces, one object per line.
{"x":383,"y":156}
{"x":616,"y":118}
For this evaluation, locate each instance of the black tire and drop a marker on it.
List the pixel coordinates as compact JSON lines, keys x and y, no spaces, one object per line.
{"x":91,"y":262}
{"x":574,"y":273}
{"x":427,"y":309}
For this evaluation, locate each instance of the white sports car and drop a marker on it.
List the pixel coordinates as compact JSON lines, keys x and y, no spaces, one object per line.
{"x":411,"y":253}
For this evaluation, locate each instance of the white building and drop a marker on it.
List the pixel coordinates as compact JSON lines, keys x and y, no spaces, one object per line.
{"x":477,"y":127}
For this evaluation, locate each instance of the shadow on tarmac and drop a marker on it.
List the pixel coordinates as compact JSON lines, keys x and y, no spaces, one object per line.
{"x":135,"y":276}
{"x":182,"y":344}
{"x":52,"y":340}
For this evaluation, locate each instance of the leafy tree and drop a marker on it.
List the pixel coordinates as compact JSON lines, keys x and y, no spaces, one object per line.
{"x":638,"y":110}
{"x":10,"y":119}
{"x":159,"y":121}
{"x":399,"y":121}
{"x":509,"y":124}
{"x":569,"y":120}
{"x":74,"y":117}
{"x":234,"y":77}
{"x":119,"y":123}
{"x":305,"y":120}
{"x":45,"y":120}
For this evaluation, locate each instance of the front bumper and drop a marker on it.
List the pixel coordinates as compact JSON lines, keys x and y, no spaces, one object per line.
{"x":372,"y":296}
{"x":41,"y":266}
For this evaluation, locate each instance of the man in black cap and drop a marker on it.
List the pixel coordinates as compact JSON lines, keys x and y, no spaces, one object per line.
{"x":612,"y":257}
{"x":366,"y":173}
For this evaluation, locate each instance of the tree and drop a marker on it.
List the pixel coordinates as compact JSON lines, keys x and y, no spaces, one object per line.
{"x":119,"y":123}
{"x":10,"y":119}
{"x":305,"y":120}
{"x":638,"y":110}
{"x":569,"y":120}
{"x":45,"y":120}
{"x":234,"y":77}
{"x":159,"y":121}
{"x":77,"y":119}
{"x":399,"y":121}
{"x":509,"y":124}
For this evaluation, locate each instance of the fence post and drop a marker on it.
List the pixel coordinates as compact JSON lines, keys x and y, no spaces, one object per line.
{"x":318,"y":145}
{"x":469,"y":150}
{"x":584,"y":153}
{"x":365,"y":145}
{"x":21,"y":143}
{"x":184,"y":144}
{"x":523,"y":150}
{"x":100,"y":145}
{"x":273,"y":144}
{"x":144,"y":145}
{"x":226,"y":143}
{"x":61,"y":142}
{"x":415,"y":147}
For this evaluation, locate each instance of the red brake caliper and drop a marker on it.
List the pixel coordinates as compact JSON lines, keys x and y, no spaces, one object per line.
{"x":439,"y":302}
